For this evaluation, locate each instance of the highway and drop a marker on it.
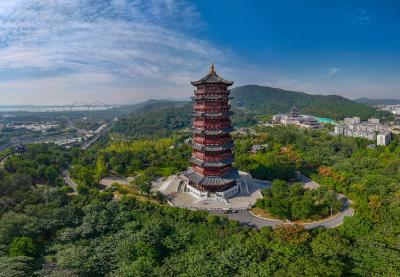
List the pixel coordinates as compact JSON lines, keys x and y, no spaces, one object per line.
{"x":89,"y":142}
{"x":52,"y":138}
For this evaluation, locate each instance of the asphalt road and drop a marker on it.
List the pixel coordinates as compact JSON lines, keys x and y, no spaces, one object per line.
{"x":69,"y":182}
{"x":248,"y":219}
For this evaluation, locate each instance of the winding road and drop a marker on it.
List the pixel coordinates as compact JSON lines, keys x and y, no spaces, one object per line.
{"x":247,"y":218}
{"x":69,"y":182}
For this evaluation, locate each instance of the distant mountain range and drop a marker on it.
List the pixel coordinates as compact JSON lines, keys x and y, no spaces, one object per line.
{"x":158,"y":118}
{"x":374,"y":102}
{"x":268,"y":100}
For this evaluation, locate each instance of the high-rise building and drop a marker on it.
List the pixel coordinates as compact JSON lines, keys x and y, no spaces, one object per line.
{"x":383,"y":138}
{"x":211,"y":171}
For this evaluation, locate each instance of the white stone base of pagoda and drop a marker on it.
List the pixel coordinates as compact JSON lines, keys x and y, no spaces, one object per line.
{"x":180,"y":194}
{"x":196,"y":193}
{"x":241,"y":187}
{"x":206,"y":195}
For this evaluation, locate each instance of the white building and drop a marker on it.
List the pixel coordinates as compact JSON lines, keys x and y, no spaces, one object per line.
{"x":339,"y":129}
{"x":353,"y":127}
{"x":352,"y":120}
{"x":383,"y":138}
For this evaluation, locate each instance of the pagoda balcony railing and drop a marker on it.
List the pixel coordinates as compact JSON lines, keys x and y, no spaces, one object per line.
{"x":213,"y":114}
{"x":213,"y":97}
{"x":209,"y":92}
{"x":208,"y":158}
{"x":218,"y":131}
{"x":212,"y":108}
{"x":212,"y":147}
{"x":212,"y":127}
{"x":212,"y":141}
{"x":200,"y":124}
{"x":215,"y":121}
{"x":210,"y":171}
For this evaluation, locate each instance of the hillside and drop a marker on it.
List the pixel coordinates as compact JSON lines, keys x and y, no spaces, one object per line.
{"x":159,"y":118}
{"x":155,"y":119}
{"x":374,"y":102}
{"x":267,"y":100}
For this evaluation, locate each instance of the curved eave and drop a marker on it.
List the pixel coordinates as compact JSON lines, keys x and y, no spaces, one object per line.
{"x":212,"y":78}
{"x":199,"y":179}
{"x":211,"y":164}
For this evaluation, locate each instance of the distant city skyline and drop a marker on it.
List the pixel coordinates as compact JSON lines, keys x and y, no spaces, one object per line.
{"x":129,"y":51}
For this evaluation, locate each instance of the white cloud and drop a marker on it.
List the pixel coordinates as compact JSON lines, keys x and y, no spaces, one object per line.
{"x":333,"y":71}
{"x":133,"y":42}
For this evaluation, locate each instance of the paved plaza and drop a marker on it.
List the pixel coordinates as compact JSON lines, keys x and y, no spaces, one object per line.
{"x":110,"y":180}
{"x":174,"y":188}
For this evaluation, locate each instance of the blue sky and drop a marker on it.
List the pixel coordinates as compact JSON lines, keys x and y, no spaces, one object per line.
{"x":127,"y":51}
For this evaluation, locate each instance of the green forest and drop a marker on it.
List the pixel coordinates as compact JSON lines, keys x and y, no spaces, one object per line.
{"x":150,"y":157}
{"x":46,"y":231}
{"x":294,"y":202}
{"x":267,"y":100}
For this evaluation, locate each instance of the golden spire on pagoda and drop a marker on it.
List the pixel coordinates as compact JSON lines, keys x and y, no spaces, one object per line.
{"x":212,"y":69}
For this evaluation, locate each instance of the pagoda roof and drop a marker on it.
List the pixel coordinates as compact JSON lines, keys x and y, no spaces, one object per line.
{"x":212,"y":78}
{"x":210,"y":163}
{"x":200,"y":179}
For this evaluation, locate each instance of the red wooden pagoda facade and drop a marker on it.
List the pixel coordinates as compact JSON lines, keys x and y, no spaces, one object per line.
{"x":212,"y":157}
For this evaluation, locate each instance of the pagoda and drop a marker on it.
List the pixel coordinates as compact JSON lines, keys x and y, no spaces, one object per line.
{"x":211,"y":173}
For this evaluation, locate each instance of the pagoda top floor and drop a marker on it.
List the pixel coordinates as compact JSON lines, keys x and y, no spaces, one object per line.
{"x":212,"y":78}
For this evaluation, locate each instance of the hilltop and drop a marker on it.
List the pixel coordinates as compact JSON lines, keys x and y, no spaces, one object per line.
{"x":374,"y":102}
{"x":268,"y":100}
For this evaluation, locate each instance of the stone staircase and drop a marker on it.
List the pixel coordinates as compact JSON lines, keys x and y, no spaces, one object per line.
{"x":181,"y":186}
{"x":243,"y":183}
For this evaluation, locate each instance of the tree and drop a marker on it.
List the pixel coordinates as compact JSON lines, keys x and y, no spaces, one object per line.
{"x":51,"y":174}
{"x":143,"y":182}
{"x":22,"y":246}
{"x":303,"y":208}
{"x":15,"y":266}
{"x":101,"y":168}
{"x":330,"y":245}
{"x":294,"y":234}
{"x":82,"y":189}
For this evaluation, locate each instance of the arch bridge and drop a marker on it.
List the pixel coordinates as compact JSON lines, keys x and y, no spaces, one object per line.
{"x":85,"y":106}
